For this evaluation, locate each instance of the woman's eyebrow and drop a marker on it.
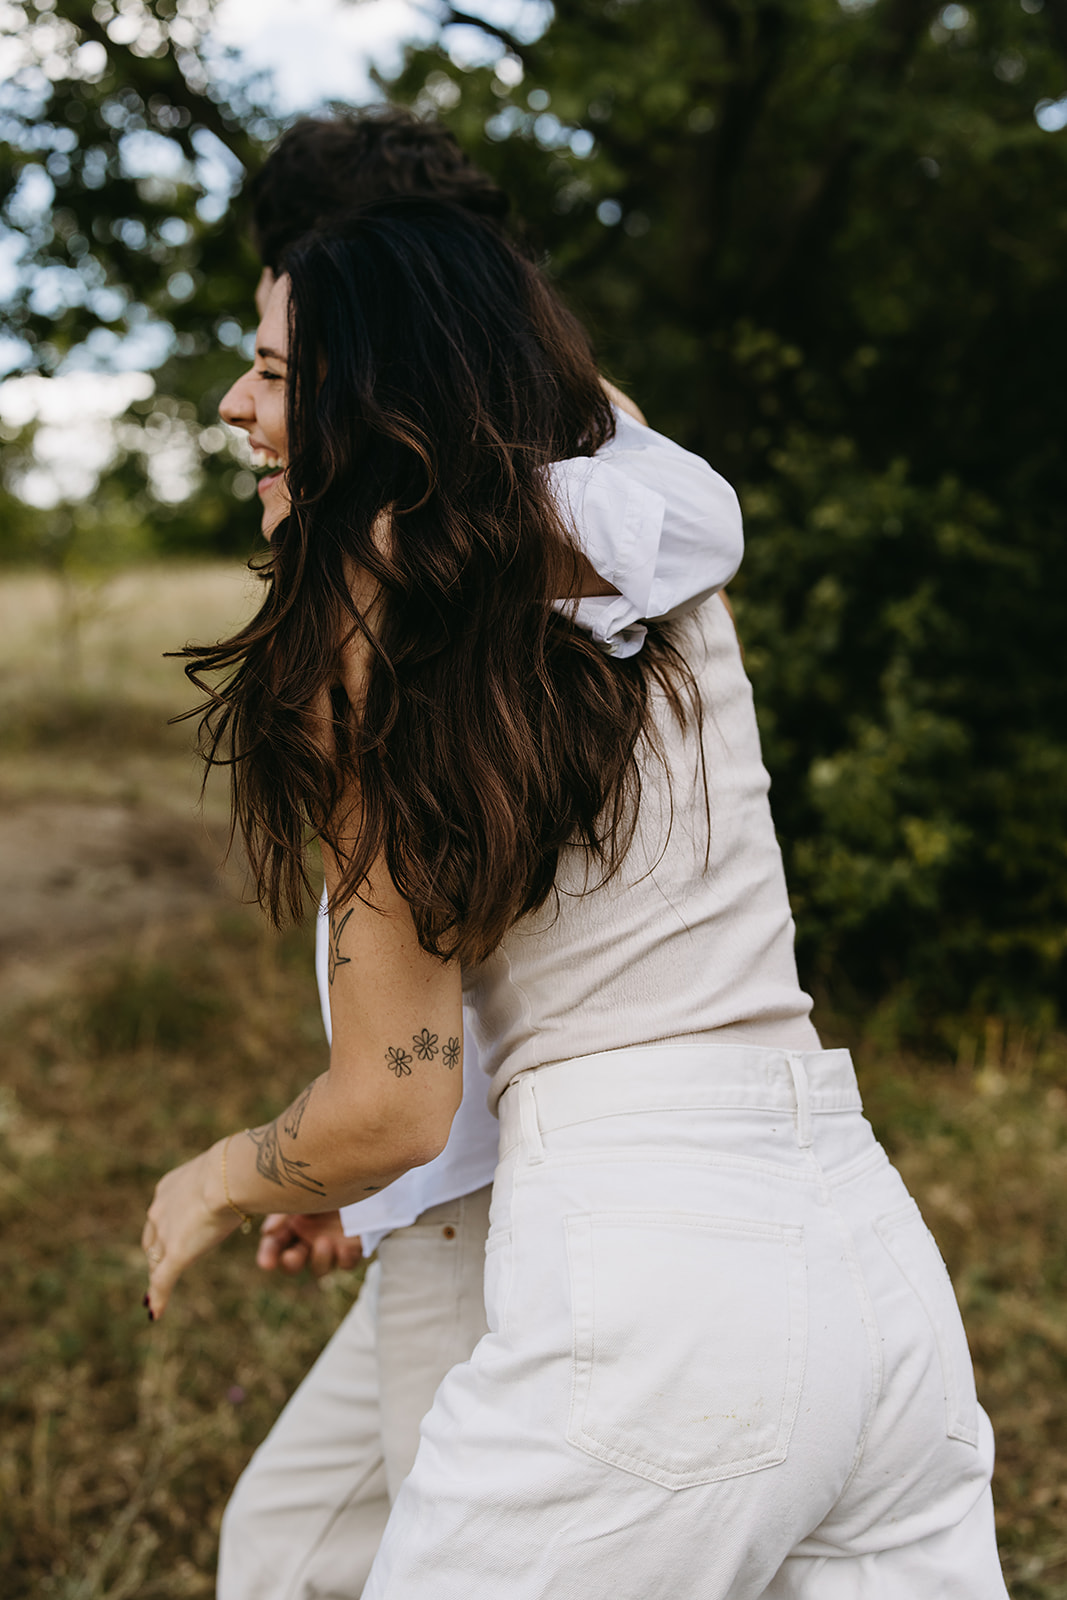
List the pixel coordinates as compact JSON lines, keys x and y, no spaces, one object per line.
{"x":271,"y":355}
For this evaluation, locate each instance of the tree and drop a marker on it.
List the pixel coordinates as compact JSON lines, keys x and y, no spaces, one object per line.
{"x":823,"y":243}
{"x":117,"y":166}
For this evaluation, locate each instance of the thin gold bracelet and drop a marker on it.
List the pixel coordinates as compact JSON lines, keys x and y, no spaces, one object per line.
{"x":246,"y":1220}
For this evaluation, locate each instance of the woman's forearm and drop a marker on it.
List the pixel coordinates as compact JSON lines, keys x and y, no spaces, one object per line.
{"x":387,"y":1102}
{"x":385,"y":1105}
{"x":324,"y":1151}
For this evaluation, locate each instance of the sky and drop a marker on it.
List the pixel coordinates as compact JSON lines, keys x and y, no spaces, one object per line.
{"x":318,"y":50}
{"x":321,"y":50}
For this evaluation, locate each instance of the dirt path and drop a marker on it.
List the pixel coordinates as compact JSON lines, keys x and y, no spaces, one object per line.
{"x":79,"y":875}
{"x":101,"y":836}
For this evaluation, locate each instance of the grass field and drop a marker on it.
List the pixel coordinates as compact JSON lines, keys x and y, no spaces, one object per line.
{"x":144,"y":1010}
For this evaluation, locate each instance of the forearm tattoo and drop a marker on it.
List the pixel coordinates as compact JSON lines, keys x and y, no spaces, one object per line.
{"x":272,"y":1162}
{"x":336,"y":930}
{"x":295,"y":1114}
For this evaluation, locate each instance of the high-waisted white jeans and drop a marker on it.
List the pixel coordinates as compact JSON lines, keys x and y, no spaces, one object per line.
{"x":724,"y":1359}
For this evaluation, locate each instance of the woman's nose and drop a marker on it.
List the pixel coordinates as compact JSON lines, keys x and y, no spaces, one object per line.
{"x":236,"y":407}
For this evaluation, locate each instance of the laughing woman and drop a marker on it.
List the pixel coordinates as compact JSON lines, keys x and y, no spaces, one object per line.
{"x":724,"y":1358}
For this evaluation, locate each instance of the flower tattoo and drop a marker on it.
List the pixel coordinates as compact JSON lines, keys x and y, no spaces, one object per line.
{"x":451,"y":1053}
{"x":425,"y":1044}
{"x":399,"y":1061}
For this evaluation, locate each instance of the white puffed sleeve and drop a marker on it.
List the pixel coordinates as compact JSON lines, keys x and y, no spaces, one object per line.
{"x":656,"y":522}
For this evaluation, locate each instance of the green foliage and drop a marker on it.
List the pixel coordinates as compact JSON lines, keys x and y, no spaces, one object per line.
{"x":822,"y":244}
{"x":116,"y":172}
{"x":919,"y":793}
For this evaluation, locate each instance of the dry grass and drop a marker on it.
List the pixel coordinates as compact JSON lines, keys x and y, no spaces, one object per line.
{"x":85,"y":687}
{"x":122,"y":627}
{"x":983,"y":1147}
{"x":120,"y":1441}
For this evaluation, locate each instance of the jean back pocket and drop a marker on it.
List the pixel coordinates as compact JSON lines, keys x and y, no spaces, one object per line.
{"x":689,"y":1342}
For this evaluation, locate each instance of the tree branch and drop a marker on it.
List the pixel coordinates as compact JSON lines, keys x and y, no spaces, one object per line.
{"x":455,"y":18}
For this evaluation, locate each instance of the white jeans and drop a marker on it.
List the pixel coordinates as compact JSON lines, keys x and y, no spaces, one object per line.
{"x":308,"y":1512}
{"x":724,"y":1360}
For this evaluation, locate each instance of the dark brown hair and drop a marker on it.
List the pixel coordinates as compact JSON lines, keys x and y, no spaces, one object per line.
{"x":433,"y":375}
{"x":325,"y":166}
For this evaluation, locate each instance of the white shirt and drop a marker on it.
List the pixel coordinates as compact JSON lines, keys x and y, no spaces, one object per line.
{"x":665,"y":529}
{"x":655,"y":521}
{"x":691,"y":940}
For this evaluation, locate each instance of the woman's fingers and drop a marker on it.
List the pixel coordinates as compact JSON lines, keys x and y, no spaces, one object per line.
{"x":291,"y":1242}
{"x":349,"y":1251}
{"x":153,"y":1249}
{"x":276,"y":1223}
{"x":161,"y":1280}
{"x":294,"y":1258}
{"x":181,"y":1225}
{"x":276,"y":1235}
{"x":323,"y":1255}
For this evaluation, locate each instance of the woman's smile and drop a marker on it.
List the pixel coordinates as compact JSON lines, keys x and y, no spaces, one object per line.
{"x":256,"y":403}
{"x":269,"y":466}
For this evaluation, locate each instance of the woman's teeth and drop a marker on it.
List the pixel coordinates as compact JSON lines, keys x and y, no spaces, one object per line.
{"x":265,"y":458}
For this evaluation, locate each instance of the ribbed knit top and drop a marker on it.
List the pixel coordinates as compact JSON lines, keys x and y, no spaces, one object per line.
{"x":687,"y":942}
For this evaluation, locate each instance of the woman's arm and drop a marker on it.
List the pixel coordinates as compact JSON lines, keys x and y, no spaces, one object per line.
{"x":385,"y":1105}
{"x":622,"y":402}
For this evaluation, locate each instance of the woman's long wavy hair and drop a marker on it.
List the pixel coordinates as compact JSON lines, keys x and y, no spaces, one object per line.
{"x":433,"y":375}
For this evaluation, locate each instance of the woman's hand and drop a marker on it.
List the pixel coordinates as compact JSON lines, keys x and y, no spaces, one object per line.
{"x":187,"y":1217}
{"x":292,"y":1242}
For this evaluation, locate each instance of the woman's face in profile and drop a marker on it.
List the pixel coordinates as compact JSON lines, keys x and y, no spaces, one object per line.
{"x":257,"y":403}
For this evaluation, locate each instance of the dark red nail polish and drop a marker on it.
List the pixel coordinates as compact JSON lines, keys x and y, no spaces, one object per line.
{"x":144,"y":1302}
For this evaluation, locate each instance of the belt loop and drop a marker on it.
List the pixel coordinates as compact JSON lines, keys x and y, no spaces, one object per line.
{"x":528,"y":1124}
{"x":803,"y":1097}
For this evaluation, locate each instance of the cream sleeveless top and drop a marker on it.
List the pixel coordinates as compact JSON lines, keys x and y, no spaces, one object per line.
{"x":692,"y":940}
